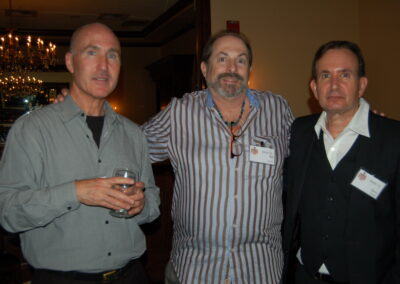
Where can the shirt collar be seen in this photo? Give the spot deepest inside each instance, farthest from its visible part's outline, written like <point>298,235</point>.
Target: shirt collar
<point>69,109</point>
<point>358,124</point>
<point>252,99</point>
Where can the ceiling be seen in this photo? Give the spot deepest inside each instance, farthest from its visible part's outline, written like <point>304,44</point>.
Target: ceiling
<point>136,22</point>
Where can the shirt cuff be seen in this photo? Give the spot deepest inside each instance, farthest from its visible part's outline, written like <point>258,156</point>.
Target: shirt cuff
<point>65,197</point>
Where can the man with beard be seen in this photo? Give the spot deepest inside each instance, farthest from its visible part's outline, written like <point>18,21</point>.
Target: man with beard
<point>227,145</point>
<point>343,197</point>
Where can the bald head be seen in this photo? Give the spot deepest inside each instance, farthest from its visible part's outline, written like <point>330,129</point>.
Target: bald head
<point>83,31</point>
<point>94,60</point>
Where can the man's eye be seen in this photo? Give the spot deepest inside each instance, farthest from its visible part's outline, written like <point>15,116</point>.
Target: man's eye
<point>91,52</point>
<point>221,59</point>
<point>325,75</point>
<point>242,61</point>
<point>113,56</point>
<point>345,75</point>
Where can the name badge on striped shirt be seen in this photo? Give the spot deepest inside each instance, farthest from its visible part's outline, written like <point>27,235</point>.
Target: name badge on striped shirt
<point>263,155</point>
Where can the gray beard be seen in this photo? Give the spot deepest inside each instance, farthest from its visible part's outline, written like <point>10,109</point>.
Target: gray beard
<point>231,92</point>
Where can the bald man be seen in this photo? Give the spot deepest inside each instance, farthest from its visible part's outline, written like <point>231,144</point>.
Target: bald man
<point>56,184</point>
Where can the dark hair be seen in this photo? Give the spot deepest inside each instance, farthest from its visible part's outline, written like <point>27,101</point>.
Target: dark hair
<point>337,44</point>
<point>208,48</point>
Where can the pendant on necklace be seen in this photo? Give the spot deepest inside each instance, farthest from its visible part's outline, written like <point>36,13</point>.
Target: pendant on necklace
<point>235,122</point>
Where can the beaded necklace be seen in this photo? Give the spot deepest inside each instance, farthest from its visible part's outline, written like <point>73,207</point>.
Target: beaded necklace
<point>232,123</point>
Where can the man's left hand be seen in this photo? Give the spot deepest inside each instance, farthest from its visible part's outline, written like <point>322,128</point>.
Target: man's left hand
<point>139,198</point>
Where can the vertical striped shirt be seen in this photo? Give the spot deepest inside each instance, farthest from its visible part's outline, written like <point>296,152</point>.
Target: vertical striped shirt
<point>227,212</point>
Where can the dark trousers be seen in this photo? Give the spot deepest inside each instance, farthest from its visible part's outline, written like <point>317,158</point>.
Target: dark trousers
<point>303,277</point>
<point>135,274</point>
<point>170,275</point>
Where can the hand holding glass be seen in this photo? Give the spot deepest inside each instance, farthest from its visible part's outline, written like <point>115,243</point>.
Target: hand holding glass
<point>127,173</point>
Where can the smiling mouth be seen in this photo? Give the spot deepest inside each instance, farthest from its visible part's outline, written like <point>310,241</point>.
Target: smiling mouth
<point>230,77</point>
<point>101,79</point>
<point>230,80</point>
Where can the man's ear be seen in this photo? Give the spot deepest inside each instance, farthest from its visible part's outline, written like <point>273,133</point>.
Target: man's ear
<point>203,67</point>
<point>68,62</point>
<point>313,87</point>
<point>363,86</point>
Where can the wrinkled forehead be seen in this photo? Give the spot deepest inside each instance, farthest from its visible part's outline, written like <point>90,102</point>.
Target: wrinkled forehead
<point>229,43</point>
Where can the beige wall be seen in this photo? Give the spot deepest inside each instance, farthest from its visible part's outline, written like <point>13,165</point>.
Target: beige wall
<point>285,34</point>
<point>380,41</point>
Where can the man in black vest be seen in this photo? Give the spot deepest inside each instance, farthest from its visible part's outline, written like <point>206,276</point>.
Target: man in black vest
<point>343,181</point>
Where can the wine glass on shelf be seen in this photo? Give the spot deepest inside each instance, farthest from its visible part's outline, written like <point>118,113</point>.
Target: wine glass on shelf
<point>127,173</point>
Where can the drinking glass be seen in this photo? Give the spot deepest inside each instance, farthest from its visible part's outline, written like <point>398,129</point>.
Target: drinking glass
<point>127,173</point>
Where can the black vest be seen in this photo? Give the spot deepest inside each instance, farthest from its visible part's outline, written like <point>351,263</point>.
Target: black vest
<point>323,211</point>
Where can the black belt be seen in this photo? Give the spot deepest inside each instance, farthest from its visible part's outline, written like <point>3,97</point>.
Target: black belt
<point>100,277</point>
<point>327,278</point>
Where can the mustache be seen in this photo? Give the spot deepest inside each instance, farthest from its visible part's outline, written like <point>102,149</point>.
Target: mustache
<point>231,75</point>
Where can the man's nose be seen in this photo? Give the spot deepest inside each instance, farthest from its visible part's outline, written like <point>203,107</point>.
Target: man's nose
<point>232,67</point>
<point>334,81</point>
<point>103,62</point>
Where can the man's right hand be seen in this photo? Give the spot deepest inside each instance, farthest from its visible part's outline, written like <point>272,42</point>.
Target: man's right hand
<point>100,192</point>
<point>60,97</point>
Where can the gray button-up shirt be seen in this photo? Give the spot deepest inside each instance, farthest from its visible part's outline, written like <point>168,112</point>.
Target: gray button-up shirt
<point>46,151</point>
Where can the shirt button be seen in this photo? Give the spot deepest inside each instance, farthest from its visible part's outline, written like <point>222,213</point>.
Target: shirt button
<point>330,198</point>
<point>87,136</point>
<point>99,160</point>
<point>82,114</point>
<point>109,253</point>
<point>69,207</point>
<point>107,222</point>
<point>235,196</point>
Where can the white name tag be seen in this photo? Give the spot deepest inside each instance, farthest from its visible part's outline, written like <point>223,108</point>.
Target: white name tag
<point>368,184</point>
<point>262,155</point>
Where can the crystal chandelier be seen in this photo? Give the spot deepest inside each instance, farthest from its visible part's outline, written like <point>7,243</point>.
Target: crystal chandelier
<point>20,85</point>
<point>20,91</point>
<point>20,55</point>
<point>25,56</point>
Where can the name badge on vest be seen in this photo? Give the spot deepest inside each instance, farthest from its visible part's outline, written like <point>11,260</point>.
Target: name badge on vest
<point>368,184</point>
<point>261,154</point>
